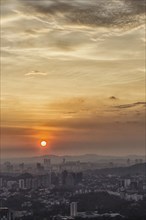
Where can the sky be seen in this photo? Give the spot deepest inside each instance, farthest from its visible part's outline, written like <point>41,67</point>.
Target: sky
<point>72,74</point>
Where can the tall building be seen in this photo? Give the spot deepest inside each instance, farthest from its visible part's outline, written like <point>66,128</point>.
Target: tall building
<point>28,183</point>
<point>64,177</point>
<point>1,182</point>
<point>64,161</point>
<point>8,167</point>
<point>21,167</point>
<point>21,184</point>
<point>47,162</point>
<point>73,209</point>
<point>39,167</point>
<point>34,183</point>
<point>70,180</point>
<point>127,183</point>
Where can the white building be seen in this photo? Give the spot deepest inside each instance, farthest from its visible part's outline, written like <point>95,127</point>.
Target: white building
<point>21,184</point>
<point>73,209</point>
<point>127,183</point>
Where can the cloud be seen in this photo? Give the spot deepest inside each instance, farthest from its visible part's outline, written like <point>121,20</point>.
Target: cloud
<point>73,29</point>
<point>99,13</point>
<point>113,98</point>
<point>131,105</point>
<point>36,73</point>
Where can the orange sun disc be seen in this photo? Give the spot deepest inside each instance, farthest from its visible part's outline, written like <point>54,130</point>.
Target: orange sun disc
<point>43,143</point>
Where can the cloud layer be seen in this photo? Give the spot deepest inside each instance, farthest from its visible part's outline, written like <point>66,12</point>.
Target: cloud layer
<point>92,13</point>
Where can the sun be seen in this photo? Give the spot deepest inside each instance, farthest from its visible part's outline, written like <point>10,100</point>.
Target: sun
<point>43,143</point>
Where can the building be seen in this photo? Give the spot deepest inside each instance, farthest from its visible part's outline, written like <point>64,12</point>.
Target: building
<point>47,162</point>
<point>12,184</point>
<point>70,180</point>
<point>73,209</point>
<point>44,180</point>
<point>5,214</point>
<point>8,167</point>
<point>21,167</point>
<point>40,168</point>
<point>28,183</point>
<point>1,182</point>
<point>64,161</point>
<point>21,184</point>
<point>34,183</point>
<point>127,183</point>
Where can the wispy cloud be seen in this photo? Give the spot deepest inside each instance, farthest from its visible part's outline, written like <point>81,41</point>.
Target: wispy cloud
<point>73,29</point>
<point>36,73</point>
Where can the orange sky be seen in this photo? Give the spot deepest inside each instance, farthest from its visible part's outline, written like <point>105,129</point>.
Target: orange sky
<point>73,74</point>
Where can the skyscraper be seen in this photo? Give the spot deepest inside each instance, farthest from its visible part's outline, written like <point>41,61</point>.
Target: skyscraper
<point>47,162</point>
<point>21,184</point>
<point>73,209</point>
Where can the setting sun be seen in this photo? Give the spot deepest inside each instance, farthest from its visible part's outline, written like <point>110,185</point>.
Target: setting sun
<point>43,143</point>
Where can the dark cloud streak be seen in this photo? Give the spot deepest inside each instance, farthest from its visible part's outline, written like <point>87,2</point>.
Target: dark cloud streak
<point>131,105</point>
<point>94,13</point>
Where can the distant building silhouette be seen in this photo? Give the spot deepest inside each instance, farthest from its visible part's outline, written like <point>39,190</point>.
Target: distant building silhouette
<point>40,168</point>
<point>47,162</point>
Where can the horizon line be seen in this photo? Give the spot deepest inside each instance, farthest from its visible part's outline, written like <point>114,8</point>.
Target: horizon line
<point>74,155</point>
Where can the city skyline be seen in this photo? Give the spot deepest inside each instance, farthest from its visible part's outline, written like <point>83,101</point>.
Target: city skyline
<point>73,75</point>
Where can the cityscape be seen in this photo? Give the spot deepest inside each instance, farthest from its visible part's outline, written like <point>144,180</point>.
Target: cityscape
<point>73,110</point>
<point>73,190</point>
